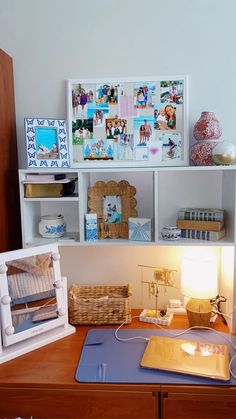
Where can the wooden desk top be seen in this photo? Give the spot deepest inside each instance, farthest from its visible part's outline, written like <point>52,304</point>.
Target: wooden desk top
<point>54,365</point>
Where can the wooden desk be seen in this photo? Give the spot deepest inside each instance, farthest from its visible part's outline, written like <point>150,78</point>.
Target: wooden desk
<point>41,385</point>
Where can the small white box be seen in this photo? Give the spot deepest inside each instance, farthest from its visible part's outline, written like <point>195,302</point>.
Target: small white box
<point>163,320</point>
<point>140,229</point>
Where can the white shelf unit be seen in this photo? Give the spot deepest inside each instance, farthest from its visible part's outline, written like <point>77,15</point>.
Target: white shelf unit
<point>160,193</point>
<point>33,208</point>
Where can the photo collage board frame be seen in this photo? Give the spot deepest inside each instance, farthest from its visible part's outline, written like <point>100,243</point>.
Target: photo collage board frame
<point>128,122</point>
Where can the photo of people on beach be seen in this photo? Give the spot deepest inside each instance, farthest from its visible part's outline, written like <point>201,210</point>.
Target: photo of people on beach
<point>172,91</point>
<point>143,94</point>
<point>82,129</point>
<point>165,116</point>
<point>98,112</point>
<point>46,143</point>
<point>171,146</point>
<point>143,130</point>
<point>108,93</point>
<point>82,95</point>
<point>115,127</point>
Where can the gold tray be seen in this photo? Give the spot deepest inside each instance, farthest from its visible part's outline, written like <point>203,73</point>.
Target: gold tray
<point>40,190</point>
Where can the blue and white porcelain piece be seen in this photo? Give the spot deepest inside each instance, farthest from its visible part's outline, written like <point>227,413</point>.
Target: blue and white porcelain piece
<point>52,226</point>
<point>170,233</point>
<point>91,227</point>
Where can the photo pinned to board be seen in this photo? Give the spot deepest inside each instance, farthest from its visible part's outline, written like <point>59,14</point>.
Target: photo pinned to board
<point>98,149</point>
<point>82,95</point>
<point>115,127</point>
<point>82,129</point>
<point>108,93</point>
<point>171,146</point>
<point>172,91</point>
<point>165,116</point>
<point>132,112</point>
<point>125,147</point>
<point>143,130</point>
<point>144,94</point>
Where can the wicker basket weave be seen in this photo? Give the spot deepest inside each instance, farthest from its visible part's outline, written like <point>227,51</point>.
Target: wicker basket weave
<point>99,304</point>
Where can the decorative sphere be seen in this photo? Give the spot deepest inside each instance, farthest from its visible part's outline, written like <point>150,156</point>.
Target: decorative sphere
<point>224,153</point>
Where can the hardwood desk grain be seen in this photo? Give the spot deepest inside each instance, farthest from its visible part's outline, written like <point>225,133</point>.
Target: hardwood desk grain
<point>42,385</point>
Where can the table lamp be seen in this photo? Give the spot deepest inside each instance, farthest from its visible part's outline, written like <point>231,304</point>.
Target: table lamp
<point>199,283</point>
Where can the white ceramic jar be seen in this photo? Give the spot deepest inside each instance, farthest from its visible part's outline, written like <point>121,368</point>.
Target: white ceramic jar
<point>171,233</point>
<point>52,226</point>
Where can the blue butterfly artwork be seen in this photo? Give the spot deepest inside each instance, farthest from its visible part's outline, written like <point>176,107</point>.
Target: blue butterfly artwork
<point>40,121</point>
<point>32,163</point>
<point>65,164</point>
<point>63,156</point>
<point>32,154</point>
<point>30,121</point>
<point>31,146</point>
<point>30,138</point>
<point>61,123</point>
<point>62,131</point>
<point>51,123</point>
<point>30,129</point>
<point>54,163</point>
<point>63,147</point>
<point>63,139</point>
<point>44,163</point>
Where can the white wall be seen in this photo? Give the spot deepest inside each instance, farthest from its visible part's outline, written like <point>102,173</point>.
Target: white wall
<point>54,40</point>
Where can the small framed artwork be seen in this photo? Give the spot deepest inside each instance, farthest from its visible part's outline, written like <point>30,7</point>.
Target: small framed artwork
<point>128,122</point>
<point>46,143</point>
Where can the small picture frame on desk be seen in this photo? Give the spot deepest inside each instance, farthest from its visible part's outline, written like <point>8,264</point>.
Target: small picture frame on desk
<point>46,143</point>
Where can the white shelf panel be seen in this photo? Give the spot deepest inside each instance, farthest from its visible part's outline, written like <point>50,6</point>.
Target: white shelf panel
<point>54,199</point>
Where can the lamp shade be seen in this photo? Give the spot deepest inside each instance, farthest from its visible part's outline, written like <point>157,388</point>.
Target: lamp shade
<point>199,276</point>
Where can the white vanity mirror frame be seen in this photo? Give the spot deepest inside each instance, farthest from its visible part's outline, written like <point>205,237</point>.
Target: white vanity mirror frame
<point>15,344</point>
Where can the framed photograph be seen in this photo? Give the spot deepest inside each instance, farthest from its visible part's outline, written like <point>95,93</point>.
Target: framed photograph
<point>46,143</point>
<point>113,203</point>
<point>146,119</point>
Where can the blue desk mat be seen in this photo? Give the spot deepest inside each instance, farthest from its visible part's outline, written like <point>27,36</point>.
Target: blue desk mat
<point>104,359</point>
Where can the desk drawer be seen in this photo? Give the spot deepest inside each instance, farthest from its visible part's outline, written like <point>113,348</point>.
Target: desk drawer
<point>77,404</point>
<point>197,405</point>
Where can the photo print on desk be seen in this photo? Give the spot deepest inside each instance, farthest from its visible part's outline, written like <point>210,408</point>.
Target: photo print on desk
<point>132,112</point>
<point>46,143</point>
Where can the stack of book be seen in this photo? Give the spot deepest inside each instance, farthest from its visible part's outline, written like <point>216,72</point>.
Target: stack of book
<point>201,223</point>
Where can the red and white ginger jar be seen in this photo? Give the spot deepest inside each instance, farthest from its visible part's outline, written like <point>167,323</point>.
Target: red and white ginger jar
<point>201,152</point>
<point>207,127</point>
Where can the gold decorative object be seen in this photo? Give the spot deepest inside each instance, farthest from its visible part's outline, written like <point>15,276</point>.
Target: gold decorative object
<point>126,194</point>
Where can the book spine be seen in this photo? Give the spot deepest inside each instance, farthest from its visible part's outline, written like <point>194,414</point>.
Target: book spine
<point>199,215</point>
<point>199,225</point>
<point>202,235</point>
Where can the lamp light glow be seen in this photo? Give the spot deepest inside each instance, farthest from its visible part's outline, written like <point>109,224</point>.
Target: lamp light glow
<point>199,282</point>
